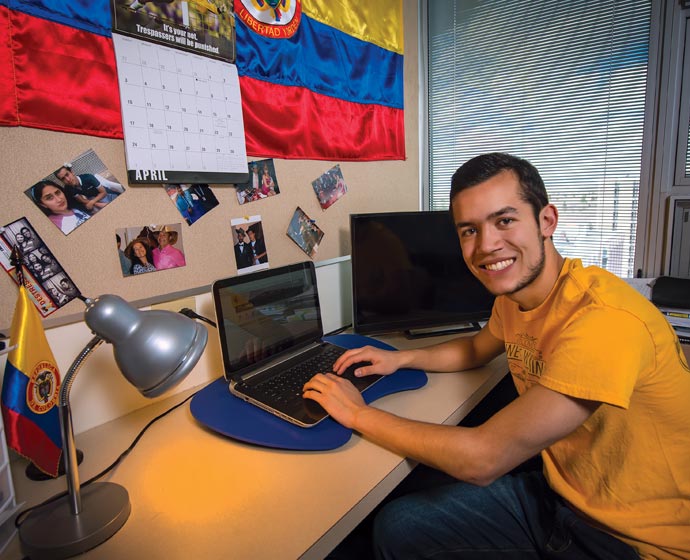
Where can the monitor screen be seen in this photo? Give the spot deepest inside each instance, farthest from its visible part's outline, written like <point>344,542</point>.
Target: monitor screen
<point>408,274</point>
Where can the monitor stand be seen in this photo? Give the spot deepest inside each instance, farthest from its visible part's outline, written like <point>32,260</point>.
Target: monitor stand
<point>439,331</point>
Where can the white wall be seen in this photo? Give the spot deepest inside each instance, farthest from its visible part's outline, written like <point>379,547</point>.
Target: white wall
<point>101,394</point>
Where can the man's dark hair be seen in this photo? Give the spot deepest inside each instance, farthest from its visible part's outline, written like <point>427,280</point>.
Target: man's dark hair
<point>484,167</point>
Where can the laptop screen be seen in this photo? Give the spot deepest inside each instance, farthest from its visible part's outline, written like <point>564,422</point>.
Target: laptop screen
<point>264,314</point>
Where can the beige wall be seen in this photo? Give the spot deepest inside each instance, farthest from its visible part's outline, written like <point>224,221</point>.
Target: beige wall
<point>88,254</point>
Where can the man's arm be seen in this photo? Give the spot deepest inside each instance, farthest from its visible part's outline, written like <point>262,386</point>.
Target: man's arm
<point>480,455</point>
<point>461,353</point>
<point>112,185</point>
<point>90,203</point>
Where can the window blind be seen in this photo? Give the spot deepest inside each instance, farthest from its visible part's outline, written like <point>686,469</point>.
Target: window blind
<point>561,84</point>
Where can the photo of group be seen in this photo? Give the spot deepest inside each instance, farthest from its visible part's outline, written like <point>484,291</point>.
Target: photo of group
<point>249,244</point>
<point>149,248</point>
<point>330,187</point>
<point>262,182</point>
<point>192,201</point>
<point>75,191</point>
<point>43,274</point>
<point>305,232</point>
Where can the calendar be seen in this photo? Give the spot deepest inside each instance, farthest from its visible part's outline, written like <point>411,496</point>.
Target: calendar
<point>181,114</point>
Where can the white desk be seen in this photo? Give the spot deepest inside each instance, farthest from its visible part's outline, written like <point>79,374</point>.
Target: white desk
<point>196,494</point>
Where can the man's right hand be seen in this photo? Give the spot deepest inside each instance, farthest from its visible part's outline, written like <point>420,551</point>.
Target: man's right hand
<point>383,362</point>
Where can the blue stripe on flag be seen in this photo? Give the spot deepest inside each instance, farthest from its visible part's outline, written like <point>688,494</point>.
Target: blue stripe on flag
<point>324,60</point>
<point>88,15</point>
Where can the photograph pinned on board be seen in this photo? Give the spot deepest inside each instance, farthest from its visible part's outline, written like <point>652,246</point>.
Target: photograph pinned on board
<point>49,286</point>
<point>330,187</point>
<point>192,200</point>
<point>75,191</point>
<point>149,248</point>
<point>249,244</point>
<point>304,231</point>
<point>262,182</point>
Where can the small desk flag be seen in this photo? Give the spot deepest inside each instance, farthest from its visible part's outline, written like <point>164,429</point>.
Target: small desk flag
<point>30,390</point>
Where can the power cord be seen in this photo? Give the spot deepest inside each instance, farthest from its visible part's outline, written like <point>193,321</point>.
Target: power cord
<point>194,315</point>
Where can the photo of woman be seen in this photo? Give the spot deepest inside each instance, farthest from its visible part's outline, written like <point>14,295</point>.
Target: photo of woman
<point>65,213</point>
<point>140,253</point>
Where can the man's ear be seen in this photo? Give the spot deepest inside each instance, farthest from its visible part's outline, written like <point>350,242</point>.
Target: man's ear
<point>548,220</point>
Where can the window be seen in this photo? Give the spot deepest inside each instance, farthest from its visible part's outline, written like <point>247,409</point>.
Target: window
<point>561,84</point>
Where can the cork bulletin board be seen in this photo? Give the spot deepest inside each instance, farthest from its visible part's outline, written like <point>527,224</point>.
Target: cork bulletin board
<point>89,255</point>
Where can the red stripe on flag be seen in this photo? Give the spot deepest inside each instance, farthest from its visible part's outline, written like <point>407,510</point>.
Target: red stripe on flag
<point>8,98</point>
<point>65,78</point>
<point>308,125</point>
<point>31,442</point>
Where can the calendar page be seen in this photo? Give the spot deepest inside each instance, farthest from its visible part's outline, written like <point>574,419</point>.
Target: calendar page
<point>181,114</point>
<point>205,27</point>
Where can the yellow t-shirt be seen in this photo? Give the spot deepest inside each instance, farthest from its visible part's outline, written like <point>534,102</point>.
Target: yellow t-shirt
<point>627,468</point>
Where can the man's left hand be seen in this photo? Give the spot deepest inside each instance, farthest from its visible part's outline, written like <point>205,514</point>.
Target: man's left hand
<point>337,395</point>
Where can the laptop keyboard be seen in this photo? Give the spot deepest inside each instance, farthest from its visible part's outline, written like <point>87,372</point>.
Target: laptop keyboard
<point>287,386</point>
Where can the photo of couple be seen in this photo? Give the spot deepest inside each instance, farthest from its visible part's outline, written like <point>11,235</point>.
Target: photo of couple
<point>249,245</point>
<point>75,191</point>
<point>262,182</point>
<point>149,249</point>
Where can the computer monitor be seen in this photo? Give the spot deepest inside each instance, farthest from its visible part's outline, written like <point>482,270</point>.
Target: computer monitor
<point>408,275</point>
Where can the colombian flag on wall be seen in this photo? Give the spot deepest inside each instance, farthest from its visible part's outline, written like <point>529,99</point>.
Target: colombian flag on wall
<point>30,391</point>
<point>319,79</point>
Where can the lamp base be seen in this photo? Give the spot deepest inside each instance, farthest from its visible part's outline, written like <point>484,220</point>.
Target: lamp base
<point>52,531</point>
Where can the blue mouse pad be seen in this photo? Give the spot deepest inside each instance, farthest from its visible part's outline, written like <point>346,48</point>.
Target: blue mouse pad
<point>221,411</point>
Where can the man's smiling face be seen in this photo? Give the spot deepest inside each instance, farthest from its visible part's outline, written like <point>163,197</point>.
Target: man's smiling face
<point>501,241</point>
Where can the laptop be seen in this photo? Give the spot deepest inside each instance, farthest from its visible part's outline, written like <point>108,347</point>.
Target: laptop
<point>269,324</point>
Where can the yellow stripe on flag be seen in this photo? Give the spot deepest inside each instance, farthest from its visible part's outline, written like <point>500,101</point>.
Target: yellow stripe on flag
<point>376,21</point>
<point>28,336</point>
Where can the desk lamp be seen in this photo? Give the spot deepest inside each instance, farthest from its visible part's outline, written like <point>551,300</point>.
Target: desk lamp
<point>154,350</point>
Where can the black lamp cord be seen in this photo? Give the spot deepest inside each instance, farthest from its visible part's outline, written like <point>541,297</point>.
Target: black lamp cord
<point>22,514</point>
<point>193,315</point>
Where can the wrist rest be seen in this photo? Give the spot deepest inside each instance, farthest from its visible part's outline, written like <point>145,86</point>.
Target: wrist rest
<point>221,411</point>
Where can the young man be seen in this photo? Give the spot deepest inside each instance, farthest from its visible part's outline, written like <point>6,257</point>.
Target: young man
<point>92,191</point>
<point>604,393</point>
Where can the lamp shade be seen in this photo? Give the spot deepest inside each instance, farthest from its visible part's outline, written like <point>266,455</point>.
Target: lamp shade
<point>154,350</point>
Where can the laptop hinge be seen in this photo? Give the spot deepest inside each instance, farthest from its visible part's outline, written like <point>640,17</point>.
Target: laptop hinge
<point>280,360</point>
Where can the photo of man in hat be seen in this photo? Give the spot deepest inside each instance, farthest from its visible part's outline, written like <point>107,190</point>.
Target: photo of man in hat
<point>165,255</point>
